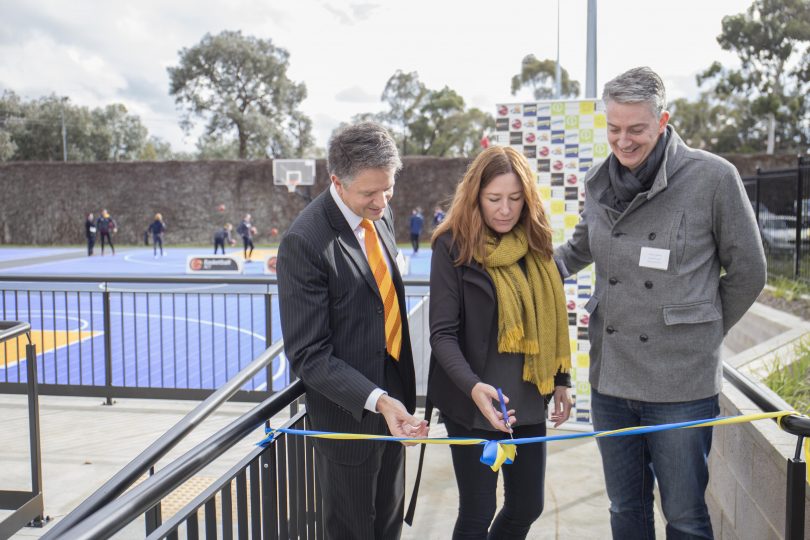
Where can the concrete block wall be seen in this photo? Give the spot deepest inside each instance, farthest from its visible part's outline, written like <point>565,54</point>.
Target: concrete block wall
<point>748,464</point>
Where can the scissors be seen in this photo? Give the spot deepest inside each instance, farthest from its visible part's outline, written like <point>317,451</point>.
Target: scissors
<point>505,413</point>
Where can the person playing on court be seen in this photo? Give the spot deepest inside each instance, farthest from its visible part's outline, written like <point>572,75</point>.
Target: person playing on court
<point>90,233</point>
<point>246,230</point>
<point>106,227</point>
<point>221,236</point>
<point>157,228</point>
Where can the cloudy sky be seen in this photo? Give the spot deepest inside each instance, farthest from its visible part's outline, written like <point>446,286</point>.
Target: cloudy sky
<point>98,52</point>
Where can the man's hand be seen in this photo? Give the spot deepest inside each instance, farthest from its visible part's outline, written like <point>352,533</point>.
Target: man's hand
<point>400,423</point>
<point>483,395</point>
<point>562,405</point>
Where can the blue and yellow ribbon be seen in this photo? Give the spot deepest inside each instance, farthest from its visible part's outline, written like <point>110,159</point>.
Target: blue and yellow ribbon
<point>499,452</point>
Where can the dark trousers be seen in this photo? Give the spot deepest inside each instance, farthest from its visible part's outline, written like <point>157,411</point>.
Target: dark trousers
<point>248,244</point>
<point>415,242</point>
<point>477,485</point>
<point>108,236</point>
<point>157,239</point>
<point>219,243</point>
<point>91,241</point>
<point>366,501</point>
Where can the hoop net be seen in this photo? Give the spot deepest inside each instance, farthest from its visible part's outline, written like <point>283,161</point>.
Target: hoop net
<point>292,180</point>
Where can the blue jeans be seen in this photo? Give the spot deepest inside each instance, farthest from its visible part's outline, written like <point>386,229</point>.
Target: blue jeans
<point>678,459</point>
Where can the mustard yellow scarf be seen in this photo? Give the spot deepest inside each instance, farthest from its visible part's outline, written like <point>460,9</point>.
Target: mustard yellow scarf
<point>531,308</point>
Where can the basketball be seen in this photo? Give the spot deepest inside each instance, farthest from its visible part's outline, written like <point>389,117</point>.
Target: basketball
<point>221,207</point>
<point>274,232</point>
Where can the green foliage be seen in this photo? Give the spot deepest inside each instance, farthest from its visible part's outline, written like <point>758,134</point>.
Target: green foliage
<point>429,122</point>
<point>792,382</point>
<point>239,85</point>
<point>788,289</point>
<point>772,41</point>
<point>716,126</point>
<point>541,76</point>
<point>32,131</point>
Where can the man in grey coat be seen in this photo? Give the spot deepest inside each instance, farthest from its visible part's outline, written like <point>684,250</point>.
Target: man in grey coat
<point>662,222</point>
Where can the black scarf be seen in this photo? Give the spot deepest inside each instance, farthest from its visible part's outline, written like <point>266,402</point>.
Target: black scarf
<point>625,185</point>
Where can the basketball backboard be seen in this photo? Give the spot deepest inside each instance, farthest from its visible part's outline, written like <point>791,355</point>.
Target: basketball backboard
<point>293,173</point>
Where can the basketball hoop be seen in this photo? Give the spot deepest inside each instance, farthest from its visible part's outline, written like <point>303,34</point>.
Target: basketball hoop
<point>292,185</point>
<point>293,173</point>
<point>292,180</point>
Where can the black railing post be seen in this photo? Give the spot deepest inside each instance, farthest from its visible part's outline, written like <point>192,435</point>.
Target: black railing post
<point>33,426</point>
<point>757,195</point>
<point>268,335</point>
<point>107,344</point>
<point>795,494</point>
<point>798,212</point>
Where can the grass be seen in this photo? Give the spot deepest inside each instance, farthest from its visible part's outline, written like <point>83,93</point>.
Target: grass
<point>792,382</point>
<point>787,289</point>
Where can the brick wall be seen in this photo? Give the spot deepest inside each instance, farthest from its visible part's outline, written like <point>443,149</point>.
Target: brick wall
<point>45,203</point>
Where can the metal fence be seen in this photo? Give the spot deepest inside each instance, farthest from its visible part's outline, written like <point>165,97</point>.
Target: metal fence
<point>157,337</point>
<point>781,201</point>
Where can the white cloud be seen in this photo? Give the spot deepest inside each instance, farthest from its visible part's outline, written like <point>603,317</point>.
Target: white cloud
<point>344,50</point>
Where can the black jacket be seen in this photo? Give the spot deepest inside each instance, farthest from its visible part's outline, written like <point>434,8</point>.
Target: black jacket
<point>463,310</point>
<point>333,322</point>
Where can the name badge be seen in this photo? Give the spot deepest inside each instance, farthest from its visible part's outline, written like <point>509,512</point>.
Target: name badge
<point>654,258</point>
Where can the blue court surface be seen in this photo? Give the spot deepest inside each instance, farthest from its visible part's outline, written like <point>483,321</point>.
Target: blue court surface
<point>162,335</point>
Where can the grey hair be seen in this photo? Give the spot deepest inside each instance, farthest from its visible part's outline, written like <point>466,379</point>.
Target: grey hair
<point>638,85</point>
<point>366,145</point>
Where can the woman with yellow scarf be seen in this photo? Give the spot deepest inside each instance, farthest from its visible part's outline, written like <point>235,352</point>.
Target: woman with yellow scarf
<point>497,321</point>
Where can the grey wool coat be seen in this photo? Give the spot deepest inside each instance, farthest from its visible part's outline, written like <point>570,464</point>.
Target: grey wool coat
<point>656,333</point>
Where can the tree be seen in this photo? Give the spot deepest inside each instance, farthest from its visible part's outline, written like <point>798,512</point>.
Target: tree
<point>34,130</point>
<point>240,84</point>
<point>716,126</point>
<point>540,75</point>
<point>403,93</point>
<point>772,40</point>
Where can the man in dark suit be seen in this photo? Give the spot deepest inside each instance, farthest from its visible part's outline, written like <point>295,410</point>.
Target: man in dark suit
<point>345,330</point>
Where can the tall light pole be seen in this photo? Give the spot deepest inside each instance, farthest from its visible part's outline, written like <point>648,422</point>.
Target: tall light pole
<point>590,55</point>
<point>64,132</point>
<point>557,70</point>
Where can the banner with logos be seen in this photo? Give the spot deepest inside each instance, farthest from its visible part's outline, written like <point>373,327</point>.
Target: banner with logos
<point>562,140</point>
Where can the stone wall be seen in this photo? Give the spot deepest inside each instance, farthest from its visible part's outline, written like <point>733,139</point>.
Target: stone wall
<point>45,203</point>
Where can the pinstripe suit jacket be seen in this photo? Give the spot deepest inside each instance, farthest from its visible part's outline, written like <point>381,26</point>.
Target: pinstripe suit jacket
<point>333,324</point>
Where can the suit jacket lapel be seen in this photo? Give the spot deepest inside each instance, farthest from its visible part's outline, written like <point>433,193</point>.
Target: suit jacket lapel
<point>348,241</point>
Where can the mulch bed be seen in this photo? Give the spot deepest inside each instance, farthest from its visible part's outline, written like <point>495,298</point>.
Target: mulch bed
<point>798,306</point>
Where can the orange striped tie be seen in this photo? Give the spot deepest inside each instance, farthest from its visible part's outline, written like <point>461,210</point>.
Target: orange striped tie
<point>393,321</point>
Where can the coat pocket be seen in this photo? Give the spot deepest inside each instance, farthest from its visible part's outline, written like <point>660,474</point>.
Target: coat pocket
<point>694,313</point>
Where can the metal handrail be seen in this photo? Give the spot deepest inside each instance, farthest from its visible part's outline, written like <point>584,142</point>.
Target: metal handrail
<point>127,476</point>
<point>173,522</point>
<point>799,426</point>
<point>141,498</point>
<point>12,329</point>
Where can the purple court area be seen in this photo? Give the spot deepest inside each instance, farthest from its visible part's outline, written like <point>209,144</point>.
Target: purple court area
<point>162,335</point>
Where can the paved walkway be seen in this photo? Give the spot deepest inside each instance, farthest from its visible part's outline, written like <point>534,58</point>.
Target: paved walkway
<point>85,442</point>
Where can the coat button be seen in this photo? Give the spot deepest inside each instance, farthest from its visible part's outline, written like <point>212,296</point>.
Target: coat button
<point>648,284</point>
<point>643,338</point>
<point>651,236</point>
<point>617,234</point>
<point>610,329</point>
<point>379,309</point>
<point>613,281</point>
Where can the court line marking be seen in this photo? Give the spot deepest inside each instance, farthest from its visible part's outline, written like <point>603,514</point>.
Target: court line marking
<point>282,358</point>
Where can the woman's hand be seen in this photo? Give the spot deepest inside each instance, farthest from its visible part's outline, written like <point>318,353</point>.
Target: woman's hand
<point>483,395</point>
<point>562,405</point>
